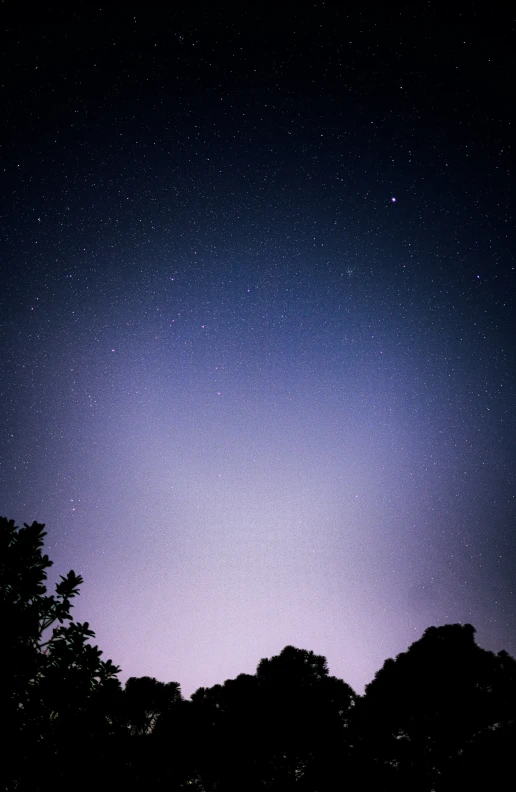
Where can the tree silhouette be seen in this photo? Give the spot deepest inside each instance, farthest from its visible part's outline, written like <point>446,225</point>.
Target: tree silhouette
<point>309,712</point>
<point>279,729</point>
<point>440,716</point>
<point>423,708</point>
<point>146,700</point>
<point>51,678</point>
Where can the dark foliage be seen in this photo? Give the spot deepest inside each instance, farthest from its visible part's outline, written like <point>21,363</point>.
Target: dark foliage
<point>441,716</point>
<point>55,690</point>
<point>424,709</point>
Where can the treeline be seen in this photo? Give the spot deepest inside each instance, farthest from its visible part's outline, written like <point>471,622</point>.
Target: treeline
<point>441,716</point>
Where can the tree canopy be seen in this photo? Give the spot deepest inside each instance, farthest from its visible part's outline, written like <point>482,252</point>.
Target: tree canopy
<point>51,677</point>
<point>440,716</point>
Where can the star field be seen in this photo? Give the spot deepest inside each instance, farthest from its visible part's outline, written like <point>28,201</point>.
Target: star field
<point>257,328</point>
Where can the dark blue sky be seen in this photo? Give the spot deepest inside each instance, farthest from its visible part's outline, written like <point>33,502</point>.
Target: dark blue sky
<point>257,328</point>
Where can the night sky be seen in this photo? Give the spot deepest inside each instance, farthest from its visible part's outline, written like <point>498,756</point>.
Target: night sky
<point>257,326</point>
